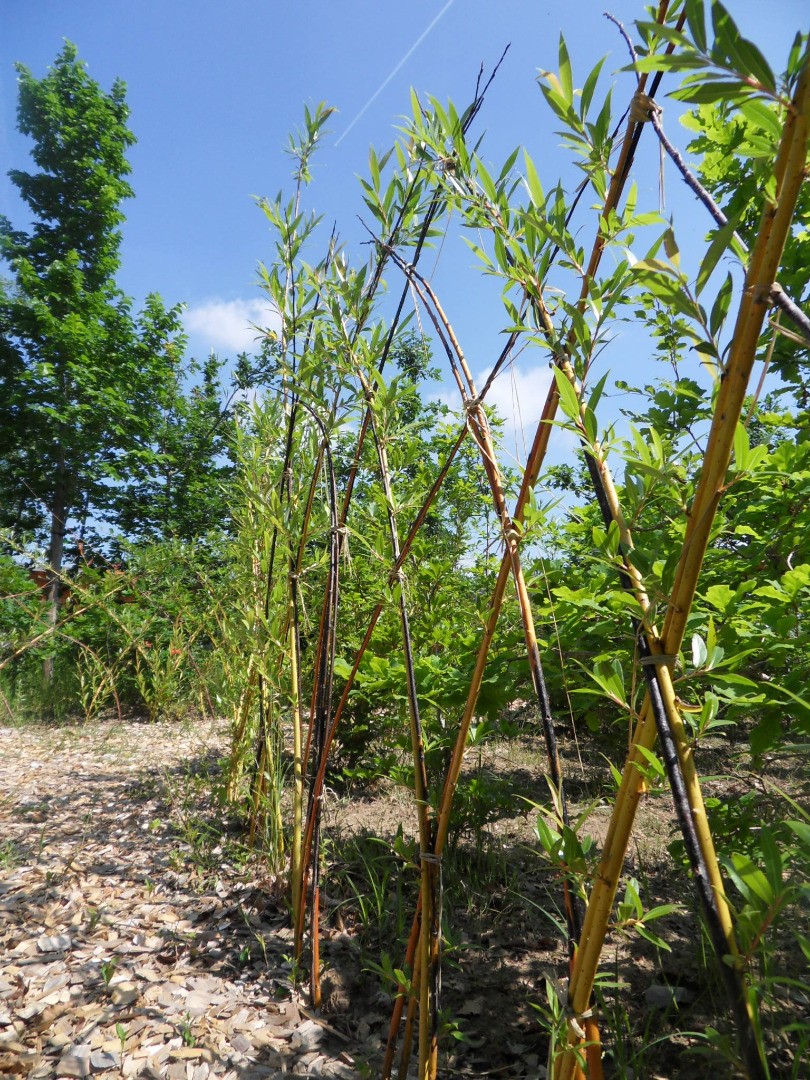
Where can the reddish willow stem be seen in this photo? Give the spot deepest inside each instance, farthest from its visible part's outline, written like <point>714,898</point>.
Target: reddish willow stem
<point>480,429</point>
<point>320,776</point>
<point>531,473</point>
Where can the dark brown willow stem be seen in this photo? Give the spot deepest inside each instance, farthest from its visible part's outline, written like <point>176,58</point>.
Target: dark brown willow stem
<point>320,775</point>
<point>778,296</point>
<point>511,529</point>
<point>324,682</point>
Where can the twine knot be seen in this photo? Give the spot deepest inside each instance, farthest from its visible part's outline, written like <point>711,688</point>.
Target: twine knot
<point>574,1018</point>
<point>642,107</point>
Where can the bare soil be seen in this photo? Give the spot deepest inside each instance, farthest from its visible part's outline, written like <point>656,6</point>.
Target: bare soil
<point>140,938</point>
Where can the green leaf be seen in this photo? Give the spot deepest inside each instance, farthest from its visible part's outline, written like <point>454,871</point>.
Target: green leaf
<point>671,247</point>
<point>699,651</point>
<point>766,735</point>
<point>342,668</point>
<point>661,910</point>
<point>569,402</point>
<point>653,761</point>
<point>802,830</point>
<point>743,54</point>
<point>533,184</point>
<point>720,243</point>
<point>590,425</point>
<point>708,713</point>
<point>696,21</point>
<point>711,91</point>
<point>508,164</point>
<point>596,394</point>
<point>609,676</point>
<point>374,168</point>
<point>749,879</point>
<point>589,88</point>
<point>720,306</point>
<point>653,938</point>
<point>762,115</point>
<point>566,78</point>
<point>772,858</point>
<point>742,446</point>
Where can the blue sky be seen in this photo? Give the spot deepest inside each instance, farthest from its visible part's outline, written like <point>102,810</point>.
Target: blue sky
<point>215,87</point>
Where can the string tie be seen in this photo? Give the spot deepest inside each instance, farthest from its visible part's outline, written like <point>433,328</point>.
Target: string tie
<point>642,107</point>
<point>574,1020</point>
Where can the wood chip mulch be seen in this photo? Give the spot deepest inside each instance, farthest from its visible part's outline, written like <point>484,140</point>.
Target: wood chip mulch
<point>120,954</point>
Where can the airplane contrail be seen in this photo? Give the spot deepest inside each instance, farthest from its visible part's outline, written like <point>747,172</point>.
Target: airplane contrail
<point>386,81</point>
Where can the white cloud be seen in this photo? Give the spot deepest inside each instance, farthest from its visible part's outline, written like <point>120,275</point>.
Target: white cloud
<point>230,325</point>
<point>519,395</point>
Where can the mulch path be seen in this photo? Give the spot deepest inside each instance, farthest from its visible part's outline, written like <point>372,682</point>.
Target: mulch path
<point>124,951</point>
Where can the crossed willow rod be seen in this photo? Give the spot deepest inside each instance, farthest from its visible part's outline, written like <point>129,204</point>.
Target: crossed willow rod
<point>428,985</point>
<point>530,476</point>
<point>418,522</point>
<point>312,825</point>
<point>465,122</point>
<point>472,404</point>
<point>541,437</point>
<point>661,702</point>
<point>775,224</point>
<point>670,747</point>
<point>316,788</point>
<point>435,204</point>
<point>511,532</point>
<point>399,562</point>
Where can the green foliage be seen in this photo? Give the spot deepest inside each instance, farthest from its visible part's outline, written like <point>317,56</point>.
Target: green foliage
<point>142,637</point>
<point>232,613</point>
<point>79,370</point>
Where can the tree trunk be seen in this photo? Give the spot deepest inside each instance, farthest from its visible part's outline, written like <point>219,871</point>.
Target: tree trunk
<point>55,553</point>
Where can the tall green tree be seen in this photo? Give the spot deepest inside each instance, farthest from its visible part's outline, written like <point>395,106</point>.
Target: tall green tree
<point>79,372</point>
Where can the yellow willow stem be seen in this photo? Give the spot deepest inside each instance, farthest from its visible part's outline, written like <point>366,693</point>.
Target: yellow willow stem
<point>298,774</point>
<point>632,787</point>
<point>245,701</point>
<point>776,221</point>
